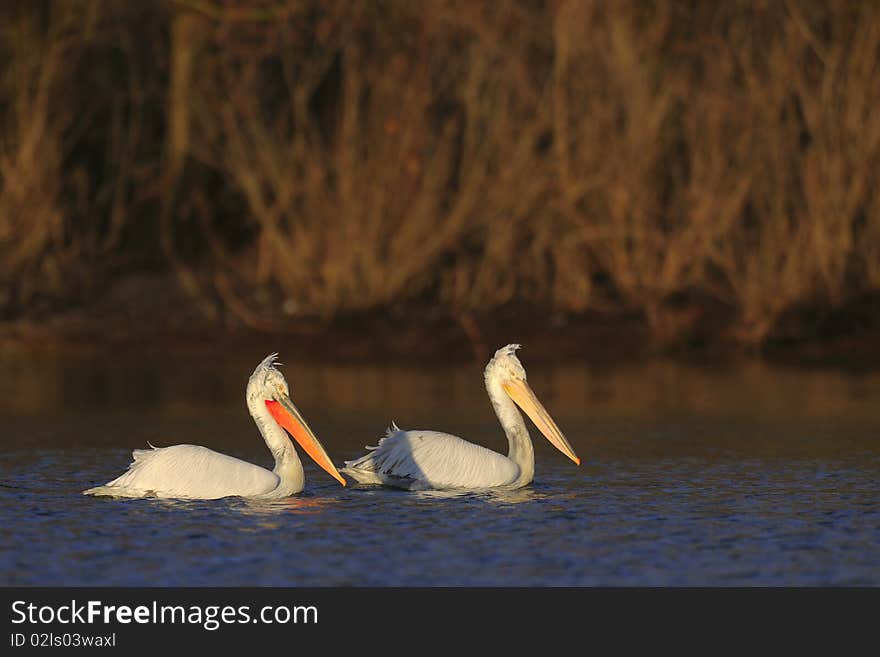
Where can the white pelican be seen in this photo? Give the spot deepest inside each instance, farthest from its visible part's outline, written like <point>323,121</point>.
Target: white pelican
<point>194,472</point>
<point>424,460</point>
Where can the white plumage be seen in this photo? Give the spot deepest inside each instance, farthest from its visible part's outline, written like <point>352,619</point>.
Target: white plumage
<point>195,472</point>
<point>419,460</point>
<point>189,471</point>
<point>423,460</point>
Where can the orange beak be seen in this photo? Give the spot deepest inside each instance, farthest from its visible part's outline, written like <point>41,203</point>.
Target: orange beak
<point>286,414</point>
<point>520,392</point>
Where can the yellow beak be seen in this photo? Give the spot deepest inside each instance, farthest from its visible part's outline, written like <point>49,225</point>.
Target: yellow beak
<point>520,392</point>
<point>287,415</point>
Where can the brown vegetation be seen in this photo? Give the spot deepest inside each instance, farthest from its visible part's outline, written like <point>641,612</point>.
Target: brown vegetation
<point>710,167</point>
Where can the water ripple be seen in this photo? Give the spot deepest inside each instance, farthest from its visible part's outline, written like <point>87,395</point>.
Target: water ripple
<point>684,521</point>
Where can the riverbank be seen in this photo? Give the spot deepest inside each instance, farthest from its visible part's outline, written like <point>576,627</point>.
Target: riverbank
<point>152,313</point>
<point>607,161</point>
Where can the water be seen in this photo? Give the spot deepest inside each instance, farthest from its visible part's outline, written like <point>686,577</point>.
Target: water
<point>742,474</point>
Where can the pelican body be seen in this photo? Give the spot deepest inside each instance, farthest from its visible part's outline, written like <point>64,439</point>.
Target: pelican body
<point>426,460</point>
<point>195,472</point>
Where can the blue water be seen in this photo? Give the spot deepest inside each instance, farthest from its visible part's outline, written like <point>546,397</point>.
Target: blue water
<point>675,489</point>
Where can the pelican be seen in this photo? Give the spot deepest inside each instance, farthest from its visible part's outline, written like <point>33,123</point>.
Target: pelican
<point>431,460</point>
<point>195,472</point>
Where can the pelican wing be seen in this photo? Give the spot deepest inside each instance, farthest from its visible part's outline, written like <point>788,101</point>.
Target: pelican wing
<point>431,460</point>
<point>188,471</point>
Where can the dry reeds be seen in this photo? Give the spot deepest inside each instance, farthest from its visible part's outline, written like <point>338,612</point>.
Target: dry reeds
<point>642,158</point>
<point>32,222</point>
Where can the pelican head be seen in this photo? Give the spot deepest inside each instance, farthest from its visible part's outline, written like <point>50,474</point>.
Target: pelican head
<point>506,370</point>
<point>267,381</point>
<point>267,385</point>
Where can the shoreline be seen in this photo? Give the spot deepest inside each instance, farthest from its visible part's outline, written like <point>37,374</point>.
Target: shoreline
<point>426,338</point>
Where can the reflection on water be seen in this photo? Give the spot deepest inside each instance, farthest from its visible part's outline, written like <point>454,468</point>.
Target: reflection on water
<point>497,497</point>
<point>182,384</point>
<point>275,508</point>
<point>692,475</point>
